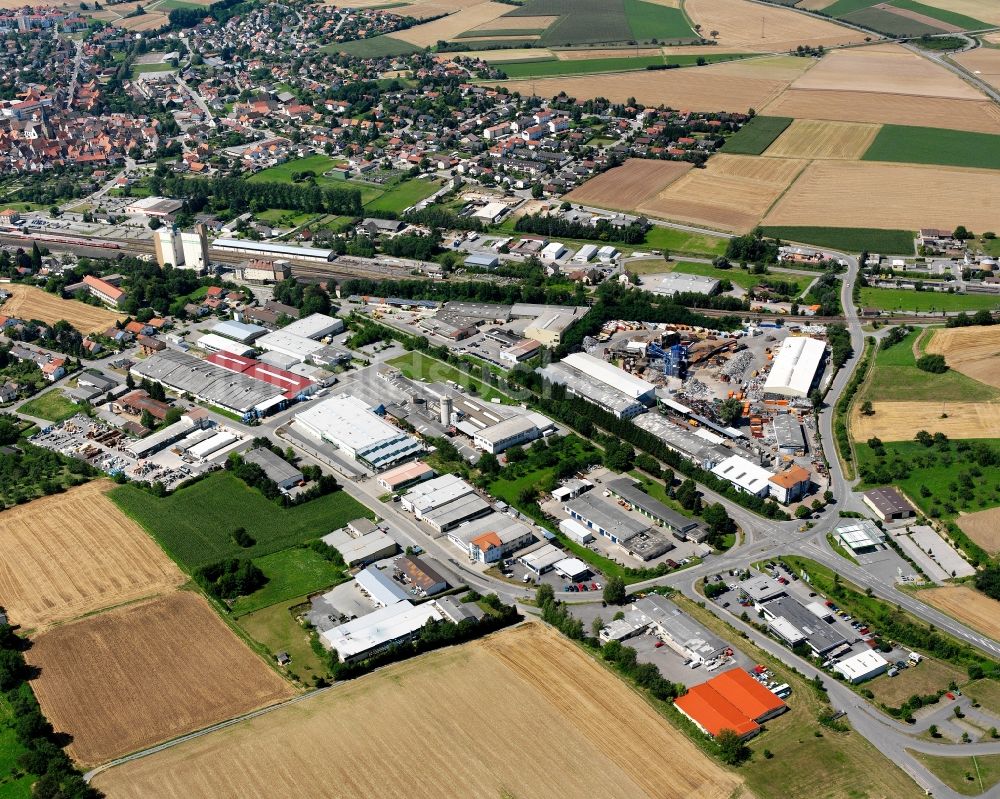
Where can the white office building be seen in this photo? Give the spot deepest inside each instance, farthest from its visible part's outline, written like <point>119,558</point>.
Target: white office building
<point>745,475</point>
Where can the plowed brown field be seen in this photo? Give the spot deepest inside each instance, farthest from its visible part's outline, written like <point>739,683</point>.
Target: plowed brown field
<point>973,351</point>
<point>808,138</point>
<point>731,193</point>
<point>894,196</point>
<point>983,527</point>
<point>29,302</point>
<point>554,728</point>
<point>967,605</point>
<point>890,109</point>
<point>628,186</point>
<point>71,554</point>
<point>138,675</point>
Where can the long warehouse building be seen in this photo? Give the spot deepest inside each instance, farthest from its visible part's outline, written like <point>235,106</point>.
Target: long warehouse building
<point>795,367</point>
<point>613,377</point>
<point>581,385</point>
<point>266,249</point>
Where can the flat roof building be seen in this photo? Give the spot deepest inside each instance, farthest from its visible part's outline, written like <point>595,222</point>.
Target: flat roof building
<point>793,622</point>
<point>315,326</point>
<point>680,283</point>
<point>210,342</point>
<point>277,469</point>
<point>379,586</point>
<point>795,367</point>
<point>888,504</point>
<point>761,588</point>
<point>679,631</point>
<point>360,550</point>
<point>862,667</point>
<point>542,559</point>
<point>613,377</point>
<point>580,385</point>
<point>860,536</point>
<point>694,446</point>
<point>788,434</point>
<point>266,249</point>
<point>576,531</point>
<point>508,433</point>
<point>445,502</point>
<point>405,475</point>
<point>490,537</point>
<point>349,424</point>
<point>745,475</point>
<point>238,331</point>
<point>626,489</point>
<point>374,632</point>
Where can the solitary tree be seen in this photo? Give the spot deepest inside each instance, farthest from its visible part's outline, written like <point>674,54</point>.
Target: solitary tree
<point>731,747</point>
<point>614,591</point>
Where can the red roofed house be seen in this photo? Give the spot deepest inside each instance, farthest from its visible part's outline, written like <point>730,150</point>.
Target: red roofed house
<point>104,291</point>
<point>732,701</point>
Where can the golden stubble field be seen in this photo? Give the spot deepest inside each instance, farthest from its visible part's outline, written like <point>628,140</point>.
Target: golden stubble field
<point>984,62</point>
<point>765,28</point>
<point>450,26</point>
<point>896,421</point>
<point>522,713</point>
<point>730,193</point>
<point>892,196</point>
<point>628,186</point>
<point>30,302</point>
<point>973,351</point>
<point>984,10</point>
<point>983,527</point>
<point>967,605</point>
<point>134,676</point>
<point>811,139</point>
<point>73,553</point>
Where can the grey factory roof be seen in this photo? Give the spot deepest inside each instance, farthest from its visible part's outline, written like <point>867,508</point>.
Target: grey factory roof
<point>700,450</point>
<point>680,283</point>
<point>456,611</point>
<point>205,380</point>
<point>458,510</point>
<point>888,501</point>
<point>597,392</point>
<point>606,516</point>
<point>681,628</point>
<point>627,490</point>
<point>270,248</point>
<point>277,469</point>
<point>788,432</point>
<point>821,635</point>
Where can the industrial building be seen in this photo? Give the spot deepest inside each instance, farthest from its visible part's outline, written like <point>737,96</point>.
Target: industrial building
<point>573,569</point>
<point>456,612</point>
<point>213,343</point>
<point>264,271</point>
<point>790,485</point>
<point>795,623</point>
<point>315,326</point>
<point>445,502</point>
<point>293,386</point>
<point>181,250</point>
<point>680,283</point>
<point>208,382</point>
<point>745,475</point>
<point>661,616</point>
<point>760,589</point>
<point>482,260</point>
<point>860,536</point>
<point>300,340</point>
<point>681,526</point>
<point>613,377</point>
<point>549,322</point>
<point>188,425</point>
<point>423,578</point>
<point>732,701</point>
<point>350,425</point>
<point>541,559</point>
<point>277,469</point>
<point>580,385</point>
<point>491,537</point>
<point>377,631</point>
<point>888,504</point>
<point>266,249</point>
<point>795,368</point>
<point>572,529</point>
<point>862,667</point>
<point>238,331</point>
<point>360,545</point>
<point>512,432</point>
<point>635,537</point>
<point>699,446</point>
<point>788,434</point>
<point>379,587</point>
<point>405,475</point>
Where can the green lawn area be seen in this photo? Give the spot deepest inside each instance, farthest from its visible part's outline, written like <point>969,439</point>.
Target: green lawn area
<point>283,217</point>
<point>53,406</point>
<point>967,774</point>
<point>756,136</point>
<point>583,66</point>
<point>909,144</point>
<point>657,490</point>
<point>170,5</point>
<point>195,524</point>
<point>277,630</point>
<point>290,573</point>
<point>737,276</point>
<point>668,239</point>
<point>139,69</point>
<point>282,173</point>
<point>401,196</point>
<point>887,242</point>
<point>908,300</point>
<point>11,787</point>
<point>928,676</point>
<point>651,21</point>
<point>417,366</point>
<point>373,48</point>
<point>895,376</point>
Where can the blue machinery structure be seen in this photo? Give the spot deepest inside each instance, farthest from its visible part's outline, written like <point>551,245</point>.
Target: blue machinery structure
<point>674,358</point>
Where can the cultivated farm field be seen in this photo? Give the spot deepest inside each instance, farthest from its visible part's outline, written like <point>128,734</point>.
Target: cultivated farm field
<point>131,677</point>
<point>731,193</point>
<point>630,185</point>
<point>884,195</point>
<point>808,138</point>
<point>986,10</point>
<point>897,421</point>
<point>973,351</point>
<point>983,527</point>
<point>70,554</point>
<point>401,719</point>
<point>967,605</point>
<point>448,27</point>
<point>29,302</point>
<point>984,62</point>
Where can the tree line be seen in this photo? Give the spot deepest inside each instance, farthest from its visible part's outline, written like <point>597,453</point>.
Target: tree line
<point>549,226</point>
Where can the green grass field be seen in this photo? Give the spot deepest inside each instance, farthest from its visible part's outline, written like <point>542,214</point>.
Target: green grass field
<point>895,376</point>
<point>195,524</point>
<point>584,66</point>
<point>650,21</point>
<point>907,144</point>
<point>282,217</point>
<point>736,276</point>
<point>282,173</point>
<point>291,573</point>
<point>11,786</point>
<point>887,242</point>
<point>756,136</point>
<point>139,69</point>
<point>53,406</point>
<point>375,47</point>
<point>277,630</point>
<point>672,240</point>
<point>479,33</point>
<point>417,366</point>
<point>402,196</point>
<point>170,5</point>
<point>907,300</point>
<point>951,17</point>
<point>967,774</point>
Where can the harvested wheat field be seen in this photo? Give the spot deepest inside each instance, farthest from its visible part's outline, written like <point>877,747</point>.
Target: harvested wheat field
<point>890,109</point>
<point>700,89</point>
<point>896,421</point>
<point>967,605</point>
<point>984,62</point>
<point>73,553</point>
<point>973,351</point>
<point>810,138</point>
<point>739,24</point>
<point>29,302</point>
<point>893,71</point>
<point>448,27</point>
<point>983,10</point>
<point>894,196</point>
<point>137,675</point>
<point>499,56</point>
<point>983,527</point>
<point>612,52</point>
<point>516,24</point>
<point>731,193</point>
<point>630,185</point>
<point>411,719</point>
<point>777,67</point>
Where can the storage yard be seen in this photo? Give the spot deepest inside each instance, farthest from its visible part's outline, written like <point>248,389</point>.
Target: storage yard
<point>551,690</point>
<point>71,554</point>
<point>144,673</point>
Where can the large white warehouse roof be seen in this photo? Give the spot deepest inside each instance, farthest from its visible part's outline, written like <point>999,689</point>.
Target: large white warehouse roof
<point>610,375</point>
<point>795,367</point>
